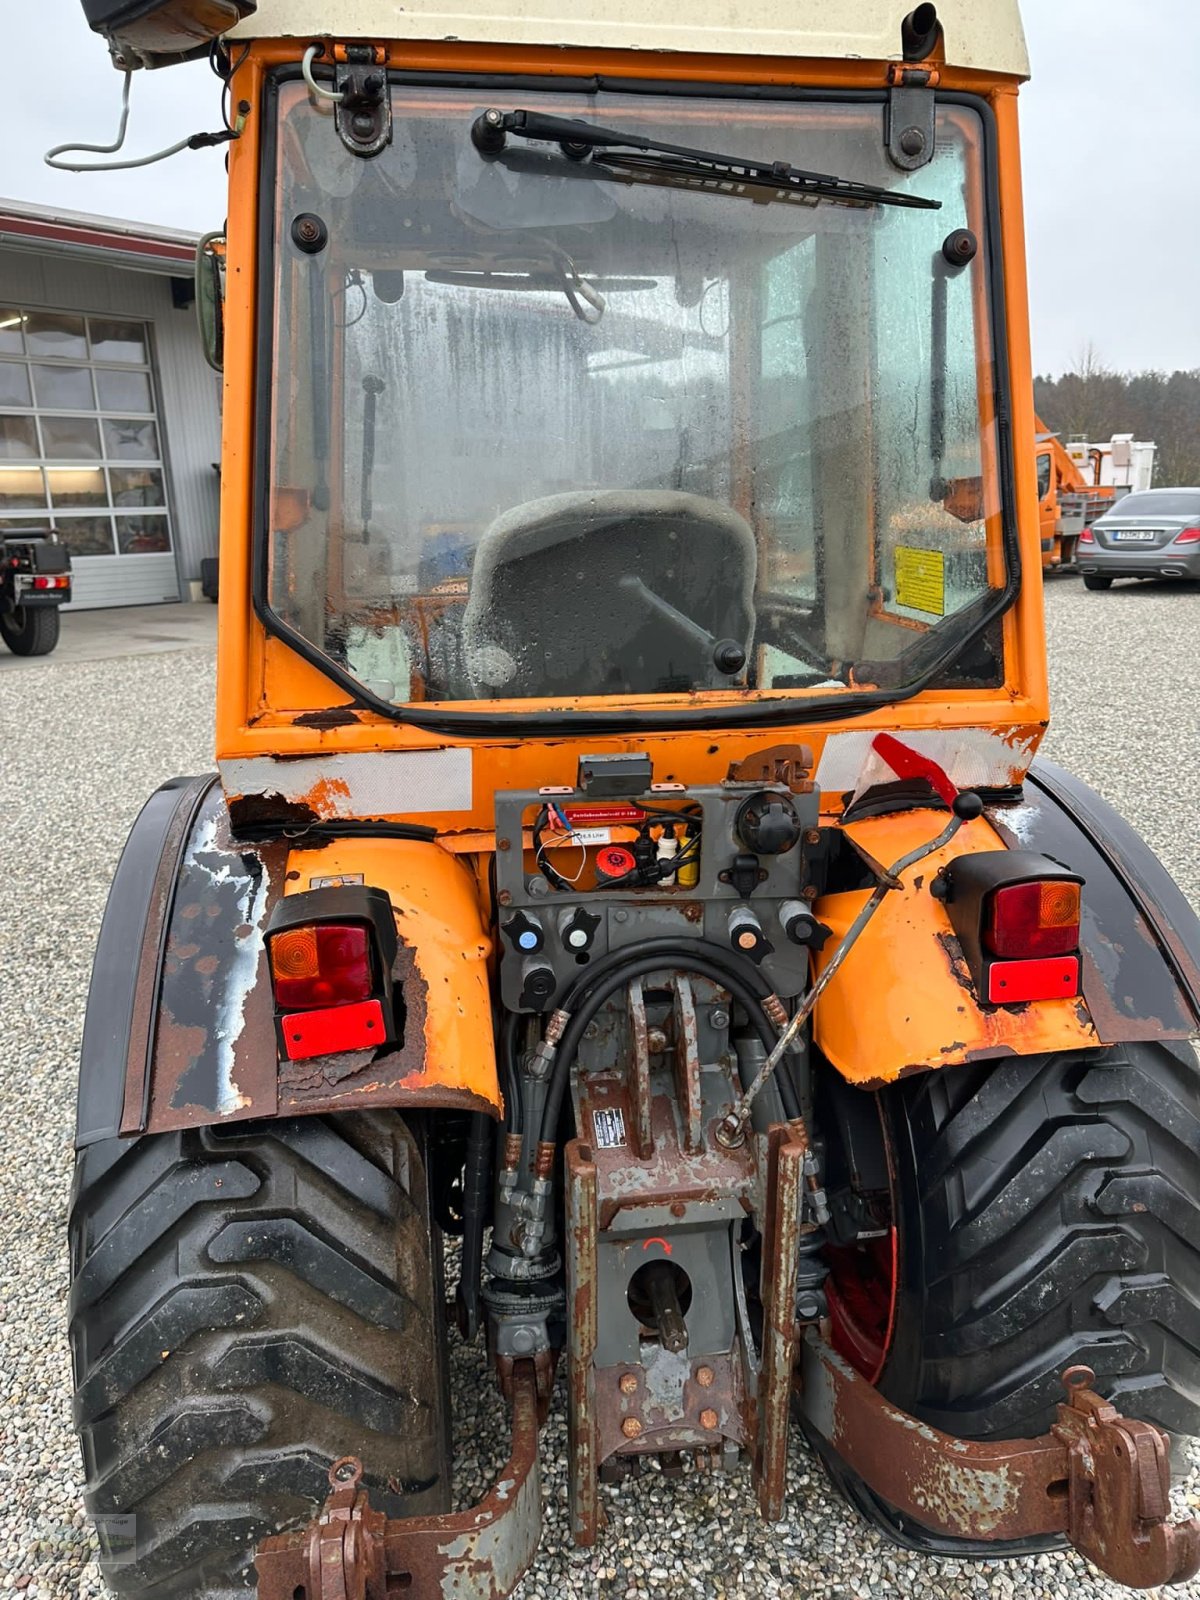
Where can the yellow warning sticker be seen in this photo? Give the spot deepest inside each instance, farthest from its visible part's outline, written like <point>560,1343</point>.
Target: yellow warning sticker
<point>921,580</point>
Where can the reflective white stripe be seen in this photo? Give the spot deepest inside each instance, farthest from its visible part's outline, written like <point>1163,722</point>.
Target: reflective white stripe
<point>971,757</point>
<point>373,784</point>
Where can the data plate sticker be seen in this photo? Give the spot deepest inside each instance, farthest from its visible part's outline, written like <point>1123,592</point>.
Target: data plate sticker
<point>921,580</point>
<point>609,1126</point>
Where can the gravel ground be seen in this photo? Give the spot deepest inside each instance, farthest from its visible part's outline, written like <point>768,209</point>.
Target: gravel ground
<point>85,744</point>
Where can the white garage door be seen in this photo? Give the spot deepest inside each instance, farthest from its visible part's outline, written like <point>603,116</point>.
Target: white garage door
<point>81,451</point>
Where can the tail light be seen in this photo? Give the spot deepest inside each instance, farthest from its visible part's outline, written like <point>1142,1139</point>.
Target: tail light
<point>1087,537</point>
<point>53,582</point>
<point>1187,536</point>
<point>331,953</point>
<point>1033,919</point>
<point>321,964</point>
<point>1017,917</point>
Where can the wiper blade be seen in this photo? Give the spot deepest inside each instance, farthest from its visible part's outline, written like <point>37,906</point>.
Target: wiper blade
<point>610,149</point>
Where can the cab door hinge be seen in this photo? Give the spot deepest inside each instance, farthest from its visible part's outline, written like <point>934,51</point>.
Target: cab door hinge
<point>363,114</point>
<point>911,109</point>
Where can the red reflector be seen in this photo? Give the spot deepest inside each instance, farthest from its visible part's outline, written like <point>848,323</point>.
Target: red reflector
<point>321,964</point>
<point>1053,979</point>
<point>1033,919</point>
<point>323,1033</point>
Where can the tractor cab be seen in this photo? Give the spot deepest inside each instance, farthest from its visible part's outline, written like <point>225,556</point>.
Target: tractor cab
<point>552,419</point>
<point>628,853</point>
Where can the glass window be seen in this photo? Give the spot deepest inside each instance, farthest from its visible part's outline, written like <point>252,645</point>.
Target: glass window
<point>118,341</point>
<point>64,388</point>
<point>77,486</point>
<point>11,323</point>
<point>70,451</point>
<point>130,441</point>
<point>14,384</point>
<point>71,438</point>
<point>652,414</point>
<point>86,536</point>
<point>142,535</point>
<point>123,391</point>
<point>1043,475</point>
<point>21,488</point>
<point>1157,503</point>
<point>137,486</point>
<point>18,438</point>
<point>52,333</point>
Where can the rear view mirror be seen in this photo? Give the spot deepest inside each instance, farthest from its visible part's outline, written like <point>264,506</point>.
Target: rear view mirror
<point>210,298</point>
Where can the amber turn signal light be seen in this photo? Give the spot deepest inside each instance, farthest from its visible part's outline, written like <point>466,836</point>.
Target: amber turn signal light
<point>1027,920</point>
<point>320,964</point>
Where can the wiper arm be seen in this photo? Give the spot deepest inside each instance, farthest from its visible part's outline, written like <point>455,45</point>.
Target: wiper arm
<point>580,141</point>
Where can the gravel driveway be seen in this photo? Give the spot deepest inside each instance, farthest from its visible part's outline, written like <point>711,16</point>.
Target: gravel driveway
<point>85,743</point>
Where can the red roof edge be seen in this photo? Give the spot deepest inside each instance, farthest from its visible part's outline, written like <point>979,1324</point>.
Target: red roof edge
<point>95,238</point>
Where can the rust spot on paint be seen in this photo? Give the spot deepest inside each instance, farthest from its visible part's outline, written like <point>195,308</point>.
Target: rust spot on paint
<point>326,795</point>
<point>333,717</point>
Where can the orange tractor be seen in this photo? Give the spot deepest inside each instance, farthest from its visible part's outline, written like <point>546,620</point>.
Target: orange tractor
<point>628,853</point>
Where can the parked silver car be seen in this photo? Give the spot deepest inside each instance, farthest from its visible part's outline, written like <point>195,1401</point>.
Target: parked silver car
<point>1152,534</point>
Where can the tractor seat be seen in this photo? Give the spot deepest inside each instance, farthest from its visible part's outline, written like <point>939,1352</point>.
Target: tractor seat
<point>621,591</point>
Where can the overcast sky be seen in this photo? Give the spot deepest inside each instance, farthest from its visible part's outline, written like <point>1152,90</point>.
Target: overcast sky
<point>1111,140</point>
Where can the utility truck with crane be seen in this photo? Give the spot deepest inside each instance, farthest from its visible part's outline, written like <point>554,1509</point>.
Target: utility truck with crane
<point>1078,482</point>
<point>628,851</point>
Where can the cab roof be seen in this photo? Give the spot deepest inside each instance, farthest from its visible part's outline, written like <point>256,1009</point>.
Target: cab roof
<point>982,34</point>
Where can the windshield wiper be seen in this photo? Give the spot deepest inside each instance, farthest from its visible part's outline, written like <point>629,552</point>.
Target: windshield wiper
<point>613,150</point>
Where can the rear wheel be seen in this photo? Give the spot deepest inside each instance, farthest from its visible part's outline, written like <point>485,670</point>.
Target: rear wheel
<point>1044,1211</point>
<point>30,630</point>
<point>1095,580</point>
<point>248,1304</point>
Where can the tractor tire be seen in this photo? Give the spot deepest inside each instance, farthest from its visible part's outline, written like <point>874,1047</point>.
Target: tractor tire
<point>30,630</point>
<point>1048,1213</point>
<point>1096,580</point>
<point>248,1303</point>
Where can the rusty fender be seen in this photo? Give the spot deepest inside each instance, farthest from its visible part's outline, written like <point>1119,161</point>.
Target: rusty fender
<point>1140,938</point>
<point>1099,1479</point>
<point>904,1000</point>
<point>180,1027</point>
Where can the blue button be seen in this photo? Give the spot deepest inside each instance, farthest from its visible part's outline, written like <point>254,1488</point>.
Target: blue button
<point>528,940</point>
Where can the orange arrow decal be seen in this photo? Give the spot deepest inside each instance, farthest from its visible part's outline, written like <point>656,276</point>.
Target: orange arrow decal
<point>656,1240</point>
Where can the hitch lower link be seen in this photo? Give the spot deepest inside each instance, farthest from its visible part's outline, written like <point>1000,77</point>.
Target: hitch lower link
<point>350,1551</point>
<point>1098,1478</point>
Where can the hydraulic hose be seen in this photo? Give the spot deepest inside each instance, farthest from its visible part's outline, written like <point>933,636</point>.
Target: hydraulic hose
<point>638,960</point>
<point>510,1073</point>
<point>682,953</point>
<point>477,1184</point>
<point>682,950</point>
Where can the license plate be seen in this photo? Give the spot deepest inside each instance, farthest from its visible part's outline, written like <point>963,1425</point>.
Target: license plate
<point>1135,535</point>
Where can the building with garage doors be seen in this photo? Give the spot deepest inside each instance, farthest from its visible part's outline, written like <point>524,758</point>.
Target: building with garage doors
<point>109,413</point>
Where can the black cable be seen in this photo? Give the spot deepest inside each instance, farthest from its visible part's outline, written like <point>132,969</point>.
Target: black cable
<point>335,828</point>
<point>678,951</point>
<point>636,967</point>
<point>683,949</point>
<point>477,1183</point>
<point>510,1069</point>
